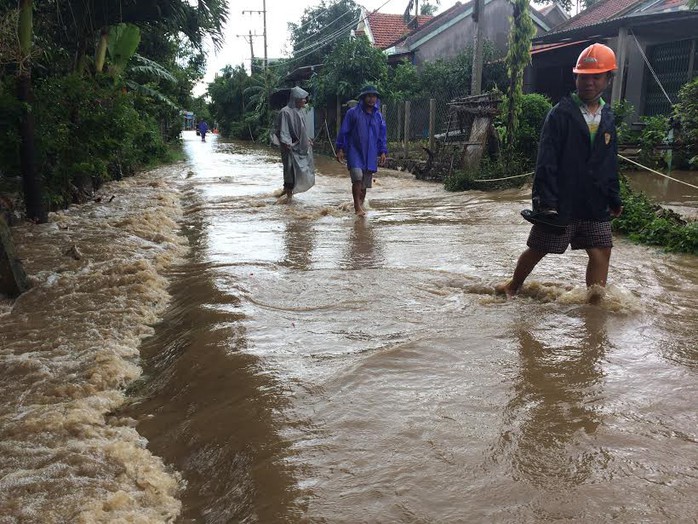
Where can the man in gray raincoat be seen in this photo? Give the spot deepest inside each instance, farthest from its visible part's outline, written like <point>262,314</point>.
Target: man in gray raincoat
<point>296,147</point>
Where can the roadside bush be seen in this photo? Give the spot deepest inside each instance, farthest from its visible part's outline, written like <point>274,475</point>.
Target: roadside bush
<point>648,223</point>
<point>621,110</point>
<point>686,113</point>
<point>653,135</point>
<point>88,133</point>
<point>534,109</point>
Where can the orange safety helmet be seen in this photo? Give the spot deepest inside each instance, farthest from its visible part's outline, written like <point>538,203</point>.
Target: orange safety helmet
<point>595,59</point>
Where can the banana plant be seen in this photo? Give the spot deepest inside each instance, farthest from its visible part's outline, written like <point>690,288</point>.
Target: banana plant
<point>123,40</point>
<point>143,65</point>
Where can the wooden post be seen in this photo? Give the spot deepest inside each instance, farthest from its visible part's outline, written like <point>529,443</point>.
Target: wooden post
<point>384,112</point>
<point>432,123</point>
<point>400,115</point>
<point>407,128</point>
<point>339,116</point>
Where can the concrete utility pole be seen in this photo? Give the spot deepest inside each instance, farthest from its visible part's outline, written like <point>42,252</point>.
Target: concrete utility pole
<point>264,34</point>
<point>248,38</point>
<point>478,18</point>
<point>251,48</point>
<point>264,22</point>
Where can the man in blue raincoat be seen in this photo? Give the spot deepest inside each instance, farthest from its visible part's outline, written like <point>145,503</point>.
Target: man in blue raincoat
<point>362,140</point>
<point>203,129</point>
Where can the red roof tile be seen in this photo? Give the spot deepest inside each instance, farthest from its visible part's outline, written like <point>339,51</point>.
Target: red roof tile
<point>387,28</point>
<point>599,12</point>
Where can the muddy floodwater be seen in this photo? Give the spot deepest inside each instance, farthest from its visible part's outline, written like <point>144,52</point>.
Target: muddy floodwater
<point>194,351</point>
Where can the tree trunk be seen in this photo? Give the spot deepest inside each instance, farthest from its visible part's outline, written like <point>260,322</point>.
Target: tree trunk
<point>13,280</point>
<point>31,182</point>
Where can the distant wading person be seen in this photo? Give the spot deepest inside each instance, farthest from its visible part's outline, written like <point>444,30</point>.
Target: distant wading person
<point>575,187</point>
<point>296,146</point>
<point>203,129</point>
<point>362,140</point>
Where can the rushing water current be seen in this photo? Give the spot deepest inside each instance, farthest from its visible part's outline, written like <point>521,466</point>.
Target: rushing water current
<point>194,351</point>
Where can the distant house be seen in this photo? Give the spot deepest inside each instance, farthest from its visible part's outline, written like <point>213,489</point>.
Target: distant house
<point>553,14</point>
<point>383,29</point>
<point>656,44</point>
<point>451,32</point>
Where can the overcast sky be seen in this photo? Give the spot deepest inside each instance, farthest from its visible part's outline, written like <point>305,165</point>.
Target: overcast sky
<point>236,50</point>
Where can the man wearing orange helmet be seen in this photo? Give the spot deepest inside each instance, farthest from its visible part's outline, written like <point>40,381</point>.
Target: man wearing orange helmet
<point>575,187</point>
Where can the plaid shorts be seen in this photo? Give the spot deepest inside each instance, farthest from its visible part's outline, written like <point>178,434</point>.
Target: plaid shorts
<point>580,234</point>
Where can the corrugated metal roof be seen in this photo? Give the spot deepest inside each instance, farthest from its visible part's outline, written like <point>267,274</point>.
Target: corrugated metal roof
<point>599,12</point>
<point>606,10</point>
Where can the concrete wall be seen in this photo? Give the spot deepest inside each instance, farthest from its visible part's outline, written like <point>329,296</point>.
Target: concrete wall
<point>453,40</point>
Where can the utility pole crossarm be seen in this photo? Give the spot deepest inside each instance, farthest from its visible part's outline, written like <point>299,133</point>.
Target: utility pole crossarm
<point>263,12</point>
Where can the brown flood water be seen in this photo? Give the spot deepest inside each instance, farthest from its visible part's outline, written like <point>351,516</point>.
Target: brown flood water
<point>292,363</point>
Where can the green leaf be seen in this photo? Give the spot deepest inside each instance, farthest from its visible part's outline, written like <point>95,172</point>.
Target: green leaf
<point>123,42</point>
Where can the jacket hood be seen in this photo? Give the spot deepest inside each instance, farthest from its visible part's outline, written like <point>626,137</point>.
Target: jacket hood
<point>296,94</point>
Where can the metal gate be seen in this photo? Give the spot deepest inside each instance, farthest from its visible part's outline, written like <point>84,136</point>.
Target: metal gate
<point>674,64</point>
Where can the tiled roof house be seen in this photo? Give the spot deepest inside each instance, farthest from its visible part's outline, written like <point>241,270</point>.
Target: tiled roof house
<point>382,29</point>
<point>449,33</point>
<point>656,45</point>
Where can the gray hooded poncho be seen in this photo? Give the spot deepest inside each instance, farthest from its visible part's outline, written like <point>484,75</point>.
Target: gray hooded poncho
<point>296,150</point>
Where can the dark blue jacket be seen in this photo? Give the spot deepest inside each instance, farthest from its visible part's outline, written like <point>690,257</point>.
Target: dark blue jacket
<point>577,178</point>
<point>363,137</point>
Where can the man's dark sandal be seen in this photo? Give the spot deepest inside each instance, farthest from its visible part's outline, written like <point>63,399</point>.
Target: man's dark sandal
<point>552,223</point>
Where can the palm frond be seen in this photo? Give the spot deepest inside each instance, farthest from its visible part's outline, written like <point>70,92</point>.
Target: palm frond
<point>152,68</point>
<point>152,93</point>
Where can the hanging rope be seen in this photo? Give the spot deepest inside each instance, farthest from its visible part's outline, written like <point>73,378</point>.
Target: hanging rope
<point>657,172</point>
<point>329,138</point>
<point>649,66</point>
<point>504,178</point>
<point>619,156</point>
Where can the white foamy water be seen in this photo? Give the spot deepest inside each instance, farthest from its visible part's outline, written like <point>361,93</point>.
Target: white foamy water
<point>69,347</point>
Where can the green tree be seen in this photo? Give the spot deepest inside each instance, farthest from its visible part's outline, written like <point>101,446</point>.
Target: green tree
<point>352,64</point>
<point>686,111</point>
<point>450,78</point>
<point>258,95</point>
<point>228,101</point>
<point>321,29</point>
<point>567,5</point>
<point>429,8</point>
<point>518,57</point>
<point>403,82</point>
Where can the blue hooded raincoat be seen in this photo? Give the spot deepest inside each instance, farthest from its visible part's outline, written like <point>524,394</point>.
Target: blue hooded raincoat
<point>363,137</point>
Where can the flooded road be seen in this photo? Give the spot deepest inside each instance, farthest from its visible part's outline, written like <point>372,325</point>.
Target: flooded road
<point>312,366</point>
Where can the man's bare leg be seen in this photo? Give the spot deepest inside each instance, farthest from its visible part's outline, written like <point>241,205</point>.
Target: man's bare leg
<point>597,267</point>
<point>357,190</point>
<point>527,261</point>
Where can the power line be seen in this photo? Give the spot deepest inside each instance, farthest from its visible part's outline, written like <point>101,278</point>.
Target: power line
<point>329,25</point>
<point>332,37</point>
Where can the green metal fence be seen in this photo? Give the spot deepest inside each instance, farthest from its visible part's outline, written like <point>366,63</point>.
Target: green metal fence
<point>674,63</point>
